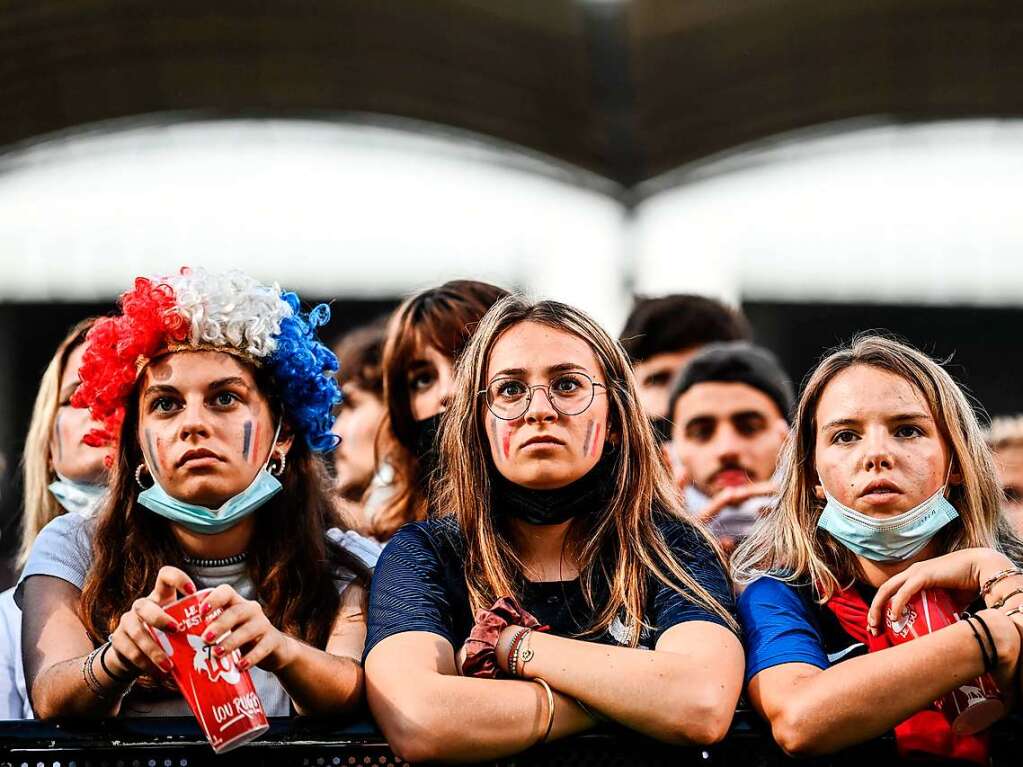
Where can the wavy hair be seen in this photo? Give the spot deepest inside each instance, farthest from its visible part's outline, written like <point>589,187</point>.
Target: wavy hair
<point>444,317</point>
<point>39,504</point>
<point>622,547</point>
<point>292,562</point>
<point>788,544</point>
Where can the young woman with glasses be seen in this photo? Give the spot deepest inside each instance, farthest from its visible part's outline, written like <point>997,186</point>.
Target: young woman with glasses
<point>561,584</point>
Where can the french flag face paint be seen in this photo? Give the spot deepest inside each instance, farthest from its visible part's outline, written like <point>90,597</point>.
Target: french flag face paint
<point>247,441</point>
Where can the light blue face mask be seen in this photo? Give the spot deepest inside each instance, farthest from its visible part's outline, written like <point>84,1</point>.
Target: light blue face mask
<point>893,539</point>
<point>77,497</point>
<point>200,519</point>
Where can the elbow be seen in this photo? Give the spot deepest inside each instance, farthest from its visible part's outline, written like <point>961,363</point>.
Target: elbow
<point>792,735</point>
<point>411,733</point>
<point>704,724</point>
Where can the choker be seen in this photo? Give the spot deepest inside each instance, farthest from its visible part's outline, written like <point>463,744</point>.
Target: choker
<point>590,493</point>
<point>237,559</point>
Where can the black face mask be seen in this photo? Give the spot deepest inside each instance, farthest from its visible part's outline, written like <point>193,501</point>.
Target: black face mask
<point>591,492</point>
<point>426,448</point>
<point>662,428</point>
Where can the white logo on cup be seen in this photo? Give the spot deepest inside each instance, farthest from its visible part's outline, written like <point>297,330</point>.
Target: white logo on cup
<point>208,663</point>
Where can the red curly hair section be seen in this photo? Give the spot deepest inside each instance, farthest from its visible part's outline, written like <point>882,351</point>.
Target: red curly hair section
<point>147,323</point>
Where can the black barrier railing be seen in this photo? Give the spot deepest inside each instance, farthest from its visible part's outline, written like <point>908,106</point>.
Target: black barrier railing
<point>146,742</point>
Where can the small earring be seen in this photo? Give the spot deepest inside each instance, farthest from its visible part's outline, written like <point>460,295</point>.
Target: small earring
<point>280,466</point>
<point>138,476</point>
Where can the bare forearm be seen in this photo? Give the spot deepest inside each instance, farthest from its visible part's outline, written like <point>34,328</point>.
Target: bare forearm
<point>667,695</point>
<point>320,683</point>
<point>450,718</point>
<point>864,697</point>
<point>61,691</point>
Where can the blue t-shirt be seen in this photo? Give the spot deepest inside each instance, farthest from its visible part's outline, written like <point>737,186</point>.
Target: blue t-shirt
<point>419,585</point>
<point>783,624</point>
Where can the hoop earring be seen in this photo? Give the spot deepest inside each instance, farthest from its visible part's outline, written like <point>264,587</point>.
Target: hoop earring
<point>280,466</point>
<point>138,476</point>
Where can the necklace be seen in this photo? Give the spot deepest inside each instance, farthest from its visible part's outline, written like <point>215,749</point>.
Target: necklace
<point>225,562</point>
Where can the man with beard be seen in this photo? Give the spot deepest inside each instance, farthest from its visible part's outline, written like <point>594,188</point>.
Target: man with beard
<point>662,334</point>
<point>730,408</point>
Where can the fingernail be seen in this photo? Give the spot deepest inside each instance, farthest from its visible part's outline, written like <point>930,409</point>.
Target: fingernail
<point>189,588</point>
<point>243,664</point>
<point>218,650</point>
<point>172,628</point>
<point>204,608</point>
<point>209,636</point>
<point>167,666</point>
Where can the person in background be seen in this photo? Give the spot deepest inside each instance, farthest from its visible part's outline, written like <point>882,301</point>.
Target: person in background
<point>215,397</point>
<point>888,489</point>
<point>425,337</point>
<point>553,508</point>
<point>362,410</point>
<point>1005,438</point>
<point>661,334</point>
<point>61,474</point>
<point>730,409</point>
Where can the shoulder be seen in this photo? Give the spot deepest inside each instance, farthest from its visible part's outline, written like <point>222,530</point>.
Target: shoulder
<point>686,542</point>
<point>67,537</point>
<point>440,537</point>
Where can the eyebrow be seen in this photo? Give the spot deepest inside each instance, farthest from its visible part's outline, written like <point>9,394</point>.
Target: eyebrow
<point>230,381</point>
<point>915,415</point>
<point>561,367</point>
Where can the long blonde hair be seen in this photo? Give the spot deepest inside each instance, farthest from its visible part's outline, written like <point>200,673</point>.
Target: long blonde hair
<point>623,546</point>
<point>39,504</point>
<point>788,544</point>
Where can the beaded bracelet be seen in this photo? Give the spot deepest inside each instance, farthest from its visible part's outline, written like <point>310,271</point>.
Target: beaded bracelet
<point>513,651</point>
<point>998,577</point>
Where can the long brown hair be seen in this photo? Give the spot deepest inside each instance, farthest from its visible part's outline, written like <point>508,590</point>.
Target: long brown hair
<point>39,504</point>
<point>445,318</point>
<point>623,546</point>
<point>788,544</point>
<point>291,561</point>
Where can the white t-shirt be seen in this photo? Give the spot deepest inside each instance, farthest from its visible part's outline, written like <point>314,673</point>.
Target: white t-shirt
<point>14,703</point>
<point>64,550</point>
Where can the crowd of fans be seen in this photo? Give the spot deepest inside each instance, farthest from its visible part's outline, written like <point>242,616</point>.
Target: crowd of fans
<point>495,525</point>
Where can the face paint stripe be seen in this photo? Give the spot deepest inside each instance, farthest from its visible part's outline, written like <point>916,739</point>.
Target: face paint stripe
<point>494,436</point>
<point>586,440</point>
<point>154,464</point>
<point>255,437</point>
<point>247,440</point>
<point>505,442</point>
<point>596,439</point>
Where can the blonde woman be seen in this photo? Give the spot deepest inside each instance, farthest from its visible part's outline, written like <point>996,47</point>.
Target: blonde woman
<point>61,473</point>
<point>888,489</point>
<point>562,584</point>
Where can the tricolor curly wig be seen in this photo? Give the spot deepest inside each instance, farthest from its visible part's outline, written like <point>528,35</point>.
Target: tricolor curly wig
<point>229,312</point>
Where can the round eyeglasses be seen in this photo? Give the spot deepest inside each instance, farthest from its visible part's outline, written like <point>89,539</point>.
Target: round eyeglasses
<point>568,393</point>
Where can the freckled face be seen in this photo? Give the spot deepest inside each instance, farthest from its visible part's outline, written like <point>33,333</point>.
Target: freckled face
<point>70,456</point>
<point>204,427</point>
<point>544,449</point>
<point>878,449</point>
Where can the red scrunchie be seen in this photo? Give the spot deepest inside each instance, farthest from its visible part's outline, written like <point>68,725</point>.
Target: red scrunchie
<point>481,646</point>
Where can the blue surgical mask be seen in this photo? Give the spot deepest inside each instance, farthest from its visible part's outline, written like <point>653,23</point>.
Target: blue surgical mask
<point>77,497</point>
<point>892,539</point>
<point>205,521</point>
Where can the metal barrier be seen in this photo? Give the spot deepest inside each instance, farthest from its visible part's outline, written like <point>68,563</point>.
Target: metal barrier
<point>178,742</point>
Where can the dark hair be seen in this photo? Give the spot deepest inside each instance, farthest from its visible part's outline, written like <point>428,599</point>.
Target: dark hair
<point>360,355</point>
<point>292,562</point>
<point>445,318</point>
<point>677,322</point>
<point>737,362</point>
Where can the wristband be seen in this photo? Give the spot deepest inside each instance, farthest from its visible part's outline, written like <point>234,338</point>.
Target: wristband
<point>988,665</point>
<point>106,669</point>
<point>550,708</point>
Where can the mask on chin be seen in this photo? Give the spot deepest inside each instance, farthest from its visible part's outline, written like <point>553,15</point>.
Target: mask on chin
<point>77,497</point>
<point>426,447</point>
<point>892,539</point>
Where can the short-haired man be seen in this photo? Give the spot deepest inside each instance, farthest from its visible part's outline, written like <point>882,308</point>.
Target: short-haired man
<point>1005,438</point>
<point>662,334</point>
<point>730,408</point>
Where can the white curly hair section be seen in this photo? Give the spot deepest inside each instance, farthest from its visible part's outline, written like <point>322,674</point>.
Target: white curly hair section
<point>230,309</point>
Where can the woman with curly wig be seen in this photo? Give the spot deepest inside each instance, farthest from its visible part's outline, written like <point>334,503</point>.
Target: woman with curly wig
<point>61,474</point>
<point>561,583</point>
<point>425,337</point>
<point>216,396</point>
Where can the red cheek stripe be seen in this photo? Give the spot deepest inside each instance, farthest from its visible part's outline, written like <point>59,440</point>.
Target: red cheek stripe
<point>586,439</point>
<point>505,442</point>
<point>596,439</point>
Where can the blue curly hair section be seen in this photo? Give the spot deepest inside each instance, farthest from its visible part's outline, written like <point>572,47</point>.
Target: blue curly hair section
<point>304,371</point>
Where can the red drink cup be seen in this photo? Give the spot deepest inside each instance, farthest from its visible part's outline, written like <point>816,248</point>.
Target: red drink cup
<point>974,705</point>
<point>221,696</point>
